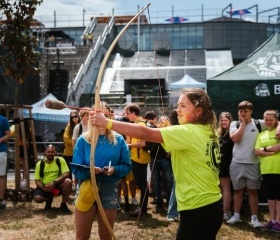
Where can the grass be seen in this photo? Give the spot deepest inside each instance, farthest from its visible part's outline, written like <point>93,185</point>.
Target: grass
<point>29,221</point>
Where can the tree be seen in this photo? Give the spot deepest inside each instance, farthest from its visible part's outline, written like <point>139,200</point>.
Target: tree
<point>19,56</point>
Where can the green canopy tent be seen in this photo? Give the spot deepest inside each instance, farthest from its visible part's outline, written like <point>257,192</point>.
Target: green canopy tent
<point>256,79</point>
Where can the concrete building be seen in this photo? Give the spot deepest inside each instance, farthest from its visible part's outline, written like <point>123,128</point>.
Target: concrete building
<point>148,59</point>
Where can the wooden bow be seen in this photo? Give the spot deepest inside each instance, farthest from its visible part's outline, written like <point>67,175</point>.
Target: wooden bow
<point>95,131</point>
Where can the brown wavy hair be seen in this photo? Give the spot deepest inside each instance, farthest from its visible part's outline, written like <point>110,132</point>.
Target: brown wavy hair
<point>71,122</point>
<point>200,99</point>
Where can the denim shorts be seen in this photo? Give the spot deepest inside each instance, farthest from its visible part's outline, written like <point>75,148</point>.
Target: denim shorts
<point>108,192</point>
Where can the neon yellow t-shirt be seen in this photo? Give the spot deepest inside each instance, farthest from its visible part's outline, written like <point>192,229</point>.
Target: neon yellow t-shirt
<point>51,171</point>
<point>195,161</point>
<point>269,164</point>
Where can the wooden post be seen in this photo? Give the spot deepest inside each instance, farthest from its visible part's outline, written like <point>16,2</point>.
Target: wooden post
<point>17,161</point>
<point>19,121</point>
<point>31,124</point>
<point>25,153</point>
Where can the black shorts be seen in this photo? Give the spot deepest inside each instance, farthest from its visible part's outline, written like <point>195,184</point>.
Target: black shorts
<point>190,222</point>
<point>224,168</point>
<point>46,194</point>
<point>272,186</point>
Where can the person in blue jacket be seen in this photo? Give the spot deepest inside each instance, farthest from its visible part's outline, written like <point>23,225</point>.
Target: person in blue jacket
<point>112,162</point>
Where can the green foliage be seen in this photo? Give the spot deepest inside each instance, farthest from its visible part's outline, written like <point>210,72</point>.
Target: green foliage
<point>18,55</point>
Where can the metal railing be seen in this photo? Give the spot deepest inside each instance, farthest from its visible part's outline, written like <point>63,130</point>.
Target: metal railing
<point>73,86</point>
<point>159,17</point>
<point>119,101</point>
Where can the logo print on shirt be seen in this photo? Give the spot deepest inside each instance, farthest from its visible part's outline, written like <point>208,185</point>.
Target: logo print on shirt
<point>214,151</point>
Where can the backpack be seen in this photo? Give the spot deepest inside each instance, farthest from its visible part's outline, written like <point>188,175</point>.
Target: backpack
<point>257,123</point>
<point>42,167</point>
<point>149,145</point>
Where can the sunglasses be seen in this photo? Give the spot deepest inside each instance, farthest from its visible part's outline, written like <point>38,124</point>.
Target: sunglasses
<point>75,116</point>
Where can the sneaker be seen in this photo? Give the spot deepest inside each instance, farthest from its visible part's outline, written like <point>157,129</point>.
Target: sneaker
<point>137,213</point>
<point>64,208</point>
<point>234,219</point>
<point>173,219</point>
<point>3,204</point>
<point>48,203</point>
<point>134,201</point>
<point>227,216</point>
<point>255,222</point>
<point>127,208</point>
<point>268,226</point>
<point>276,227</point>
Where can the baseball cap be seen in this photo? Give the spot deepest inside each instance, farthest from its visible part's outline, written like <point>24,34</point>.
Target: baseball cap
<point>86,197</point>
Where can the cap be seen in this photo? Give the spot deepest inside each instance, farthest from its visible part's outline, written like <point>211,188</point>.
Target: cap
<point>86,197</point>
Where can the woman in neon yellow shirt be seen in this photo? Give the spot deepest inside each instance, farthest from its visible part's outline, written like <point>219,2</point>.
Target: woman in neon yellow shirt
<point>268,148</point>
<point>74,119</point>
<point>195,160</point>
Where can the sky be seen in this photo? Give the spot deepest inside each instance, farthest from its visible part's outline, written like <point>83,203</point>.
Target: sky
<point>69,12</point>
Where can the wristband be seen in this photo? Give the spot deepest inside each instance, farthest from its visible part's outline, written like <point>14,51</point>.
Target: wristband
<point>109,124</point>
<point>265,149</point>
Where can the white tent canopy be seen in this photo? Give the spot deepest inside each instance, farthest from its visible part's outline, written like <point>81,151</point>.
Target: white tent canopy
<point>41,113</point>
<point>187,82</point>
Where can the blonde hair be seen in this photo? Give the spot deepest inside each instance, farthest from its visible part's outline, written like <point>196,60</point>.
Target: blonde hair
<point>222,131</point>
<point>84,111</point>
<point>272,113</point>
<point>109,133</point>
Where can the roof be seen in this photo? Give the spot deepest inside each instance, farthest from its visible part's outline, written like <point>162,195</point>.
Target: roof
<point>225,19</point>
<point>187,81</point>
<point>199,64</point>
<point>263,63</point>
<point>57,33</point>
<point>33,24</point>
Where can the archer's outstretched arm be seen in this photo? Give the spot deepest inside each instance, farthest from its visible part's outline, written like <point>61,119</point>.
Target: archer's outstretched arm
<point>133,130</point>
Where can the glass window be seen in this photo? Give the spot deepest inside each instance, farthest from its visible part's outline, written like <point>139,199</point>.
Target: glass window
<point>181,36</point>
